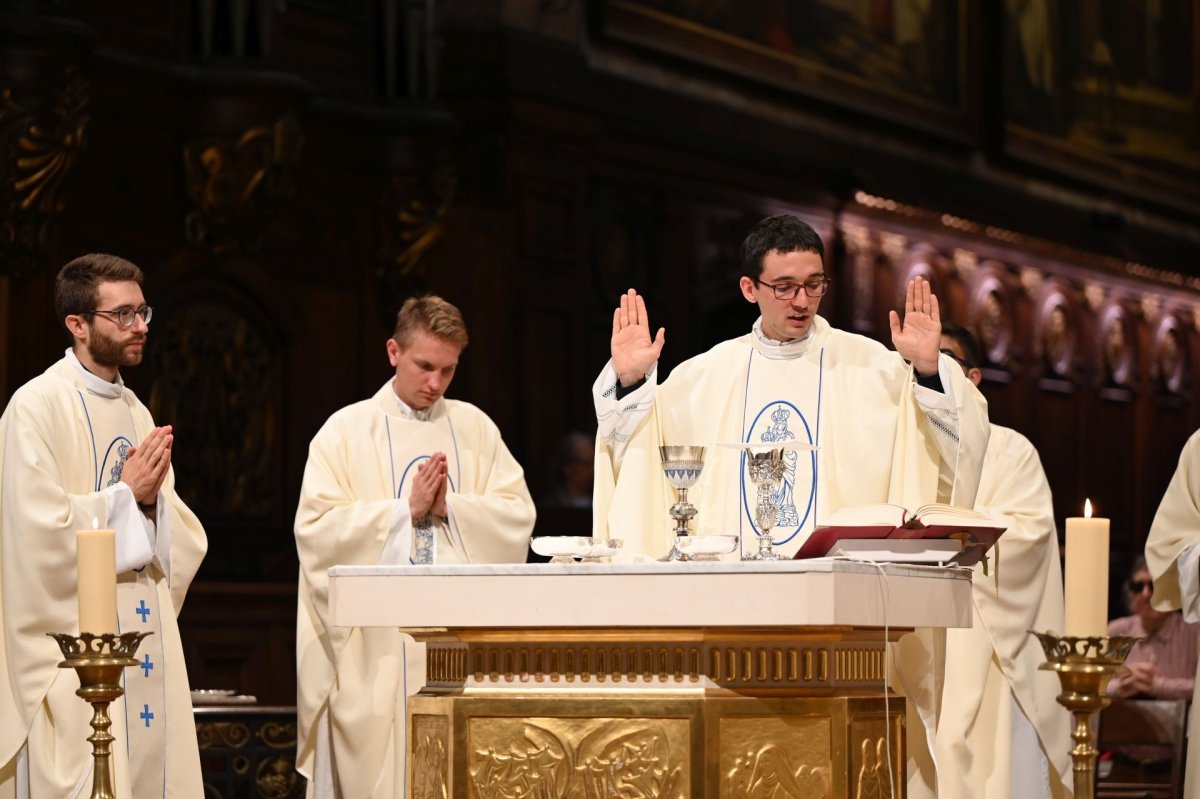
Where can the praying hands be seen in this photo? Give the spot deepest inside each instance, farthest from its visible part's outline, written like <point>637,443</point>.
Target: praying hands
<point>146,467</point>
<point>429,488</point>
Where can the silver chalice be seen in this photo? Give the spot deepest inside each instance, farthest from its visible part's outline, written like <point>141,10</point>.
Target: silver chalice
<point>766,472</point>
<point>682,466</point>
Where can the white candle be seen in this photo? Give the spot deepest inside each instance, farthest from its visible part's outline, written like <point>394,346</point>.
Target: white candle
<point>96,563</point>
<point>1086,586</point>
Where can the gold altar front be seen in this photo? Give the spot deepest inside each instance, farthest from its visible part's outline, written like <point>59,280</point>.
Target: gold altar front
<point>677,713</point>
<point>666,680</point>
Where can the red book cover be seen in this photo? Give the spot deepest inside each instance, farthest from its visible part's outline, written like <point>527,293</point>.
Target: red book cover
<point>977,532</point>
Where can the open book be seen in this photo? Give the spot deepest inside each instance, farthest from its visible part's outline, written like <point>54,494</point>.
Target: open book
<point>931,533</point>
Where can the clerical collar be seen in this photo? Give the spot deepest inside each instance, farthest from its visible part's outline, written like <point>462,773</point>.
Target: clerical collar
<point>780,349</point>
<point>410,413</point>
<point>95,384</point>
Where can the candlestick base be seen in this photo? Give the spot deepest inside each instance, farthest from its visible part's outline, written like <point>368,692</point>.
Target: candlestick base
<point>99,660</point>
<point>1084,666</point>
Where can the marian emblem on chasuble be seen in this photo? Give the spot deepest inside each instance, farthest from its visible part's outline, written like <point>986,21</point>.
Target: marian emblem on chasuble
<point>114,462</point>
<point>779,422</point>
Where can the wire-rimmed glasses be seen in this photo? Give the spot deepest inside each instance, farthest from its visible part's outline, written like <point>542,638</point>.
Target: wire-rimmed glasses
<point>124,316</point>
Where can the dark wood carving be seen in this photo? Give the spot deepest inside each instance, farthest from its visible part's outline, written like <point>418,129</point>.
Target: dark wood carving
<point>44,95</point>
<point>217,380</point>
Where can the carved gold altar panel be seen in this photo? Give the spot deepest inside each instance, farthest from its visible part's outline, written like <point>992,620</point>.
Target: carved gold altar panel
<point>598,746</point>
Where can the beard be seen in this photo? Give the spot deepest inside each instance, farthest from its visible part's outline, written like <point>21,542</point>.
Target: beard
<point>110,352</point>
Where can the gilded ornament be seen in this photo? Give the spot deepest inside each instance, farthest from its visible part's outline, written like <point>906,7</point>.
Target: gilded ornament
<point>237,184</point>
<point>42,137</point>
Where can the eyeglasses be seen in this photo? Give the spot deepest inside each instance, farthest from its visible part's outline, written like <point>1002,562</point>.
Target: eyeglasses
<point>124,316</point>
<point>959,360</point>
<point>1138,586</point>
<point>786,291</point>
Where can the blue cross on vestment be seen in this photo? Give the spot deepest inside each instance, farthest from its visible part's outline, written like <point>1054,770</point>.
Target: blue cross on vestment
<point>142,611</point>
<point>146,714</point>
<point>146,665</point>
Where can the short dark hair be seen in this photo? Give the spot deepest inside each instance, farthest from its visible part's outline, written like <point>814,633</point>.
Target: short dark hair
<point>782,233</point>
<point>966,341</point>
<point>433,315</point>
<point>77,287</point>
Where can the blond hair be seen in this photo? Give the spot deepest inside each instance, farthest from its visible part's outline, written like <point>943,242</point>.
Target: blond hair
<point>433,315</point>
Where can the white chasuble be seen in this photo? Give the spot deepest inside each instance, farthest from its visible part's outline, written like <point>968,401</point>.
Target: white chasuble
<point>993,668</point>
<point>144,700</point>
<point>352,683</point>
<point>412,442</point>
<point>1171,555</point>
<point>65,436</point>
<point>878,438</point>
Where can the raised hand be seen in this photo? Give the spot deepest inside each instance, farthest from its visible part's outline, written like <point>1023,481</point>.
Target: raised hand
<point>428,483</point>
<point>919,338</point>
<point>146,466</point>
<point>633,353</point>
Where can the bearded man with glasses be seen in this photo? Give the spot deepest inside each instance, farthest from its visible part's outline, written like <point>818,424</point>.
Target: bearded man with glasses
<point>80,451</point>
<point>905,427</point>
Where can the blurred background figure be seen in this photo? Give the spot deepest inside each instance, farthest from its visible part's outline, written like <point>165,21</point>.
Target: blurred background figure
<point>1163,664</point>
<point>571,469</point>
<point>566,507</point>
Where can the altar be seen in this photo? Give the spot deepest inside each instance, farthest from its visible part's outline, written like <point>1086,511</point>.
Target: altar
<point>649,680</point>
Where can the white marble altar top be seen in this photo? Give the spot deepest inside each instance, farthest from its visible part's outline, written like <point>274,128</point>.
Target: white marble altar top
<point>819,592</point>
<point>812,565</point>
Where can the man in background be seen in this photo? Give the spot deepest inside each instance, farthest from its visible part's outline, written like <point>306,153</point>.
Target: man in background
<point>79,452</point>
<point>406,476</point>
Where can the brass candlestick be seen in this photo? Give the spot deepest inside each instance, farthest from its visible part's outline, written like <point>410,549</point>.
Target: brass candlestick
<point>1084,666</point>
<point>99,660</point>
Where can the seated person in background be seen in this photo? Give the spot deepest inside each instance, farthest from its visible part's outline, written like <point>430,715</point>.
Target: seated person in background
<point>1163,665</point>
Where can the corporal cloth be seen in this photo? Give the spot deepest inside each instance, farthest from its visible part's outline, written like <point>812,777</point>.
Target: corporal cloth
<point>1173,557</point>
<point>995,662</point>
<point>66,435</point>
<point>879,438</point>
<point>353,682</point>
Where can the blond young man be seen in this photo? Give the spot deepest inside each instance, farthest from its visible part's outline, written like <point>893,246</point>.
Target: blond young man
<point>406,476</point>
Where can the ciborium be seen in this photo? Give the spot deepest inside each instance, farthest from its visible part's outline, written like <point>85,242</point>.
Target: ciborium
<point>1084,666</point>
<point>682,466</point>
<point>99,661</point>
<point>766,469</point>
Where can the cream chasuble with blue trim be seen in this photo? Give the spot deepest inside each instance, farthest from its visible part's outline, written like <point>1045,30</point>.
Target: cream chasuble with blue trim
<point>65,439</point>
<point>353,682</point>
<point>137,610</point>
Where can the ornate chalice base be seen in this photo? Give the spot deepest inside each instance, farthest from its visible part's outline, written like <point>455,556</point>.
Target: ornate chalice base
<point>1084,666</point>
<point>682,466</point>
<point>766,472</point>
<point>99,660</point>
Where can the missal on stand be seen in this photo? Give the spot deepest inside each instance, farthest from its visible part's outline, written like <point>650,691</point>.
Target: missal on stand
<point>933,533</point>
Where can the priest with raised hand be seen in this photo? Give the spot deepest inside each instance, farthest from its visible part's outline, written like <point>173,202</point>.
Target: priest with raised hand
<point>905,427</point>
<point>80,451</point>
<point>406,476</point>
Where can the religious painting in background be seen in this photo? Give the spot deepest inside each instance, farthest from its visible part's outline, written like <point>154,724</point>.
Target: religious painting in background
<point>1107,89</point>
<point>903,59</point>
